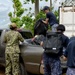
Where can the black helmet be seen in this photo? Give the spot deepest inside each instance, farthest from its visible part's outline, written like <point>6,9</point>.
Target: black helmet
<point>61,27</point>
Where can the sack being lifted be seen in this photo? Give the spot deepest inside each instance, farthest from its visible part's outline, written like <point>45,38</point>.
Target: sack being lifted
<point>40,28</point>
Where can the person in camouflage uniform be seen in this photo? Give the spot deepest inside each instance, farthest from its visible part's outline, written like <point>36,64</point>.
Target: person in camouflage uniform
<point>12,51</point>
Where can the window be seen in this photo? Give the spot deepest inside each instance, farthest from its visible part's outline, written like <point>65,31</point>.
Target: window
<point>26,35</point>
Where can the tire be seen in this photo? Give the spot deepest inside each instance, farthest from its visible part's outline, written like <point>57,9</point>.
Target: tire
<point>22,69</point>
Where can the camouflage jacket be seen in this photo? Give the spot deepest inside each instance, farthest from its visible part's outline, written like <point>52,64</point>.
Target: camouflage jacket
<point>12,39</point>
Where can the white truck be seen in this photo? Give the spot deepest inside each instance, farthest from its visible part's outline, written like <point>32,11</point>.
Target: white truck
<point>67,18</point>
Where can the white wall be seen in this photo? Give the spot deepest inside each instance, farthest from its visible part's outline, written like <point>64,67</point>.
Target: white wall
<point>67,18</point>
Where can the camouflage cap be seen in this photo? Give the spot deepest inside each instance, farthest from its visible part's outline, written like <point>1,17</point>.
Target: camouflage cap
<point>13,25</point>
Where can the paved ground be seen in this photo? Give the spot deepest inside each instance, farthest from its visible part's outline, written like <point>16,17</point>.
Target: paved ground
<point>2,70</point>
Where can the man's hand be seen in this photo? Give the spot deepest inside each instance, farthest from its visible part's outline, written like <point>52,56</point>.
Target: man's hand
<point>34,37</point>
<point>64,58</point>
<point>41,44</point>
<point>46,21</point>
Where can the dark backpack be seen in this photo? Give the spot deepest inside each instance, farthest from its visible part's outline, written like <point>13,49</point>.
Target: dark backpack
<point>53,43</point>
<point>40,28</point>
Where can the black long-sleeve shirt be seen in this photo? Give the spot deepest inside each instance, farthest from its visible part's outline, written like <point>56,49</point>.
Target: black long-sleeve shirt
<point>70,53</point>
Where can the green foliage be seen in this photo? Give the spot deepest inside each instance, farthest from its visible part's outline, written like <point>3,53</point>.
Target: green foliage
<point>28,21</point>
<point>33,1</point>
<point>40,15</point>
<point>27,0</point>
<point>15,19</point>
<point>46,0</point>
<point>10,14</point>
<point>19,23</point>
<point>20,12</point>
<point>57,14</point>
<point>30,8</point>
<point>17,4</point>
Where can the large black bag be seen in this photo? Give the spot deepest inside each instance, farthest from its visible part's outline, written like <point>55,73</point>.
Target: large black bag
<point>40,28</point>
<point>53,43</point>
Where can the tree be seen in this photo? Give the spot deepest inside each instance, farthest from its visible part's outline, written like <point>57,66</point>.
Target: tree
<point>50,4</point>
<point>36,5</point>
<point>18,11</point>
<point>27,20</point>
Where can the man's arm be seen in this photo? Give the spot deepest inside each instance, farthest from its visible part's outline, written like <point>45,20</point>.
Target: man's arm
<point>20,37</point>
<point>66,51</point>
<point>66,42</point>
<point>46,21</point>
<point>65,54</point>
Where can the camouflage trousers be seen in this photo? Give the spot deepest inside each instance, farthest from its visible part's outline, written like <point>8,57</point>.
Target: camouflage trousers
<point>12,64</point>
<point>52,66</point>
<point>70,71</point>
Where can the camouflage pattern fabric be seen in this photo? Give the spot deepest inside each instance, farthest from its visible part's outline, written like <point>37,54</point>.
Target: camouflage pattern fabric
<point>12,39</point>
<point>70,71</point>
<point>52,66</point>
<point>12,64</point>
